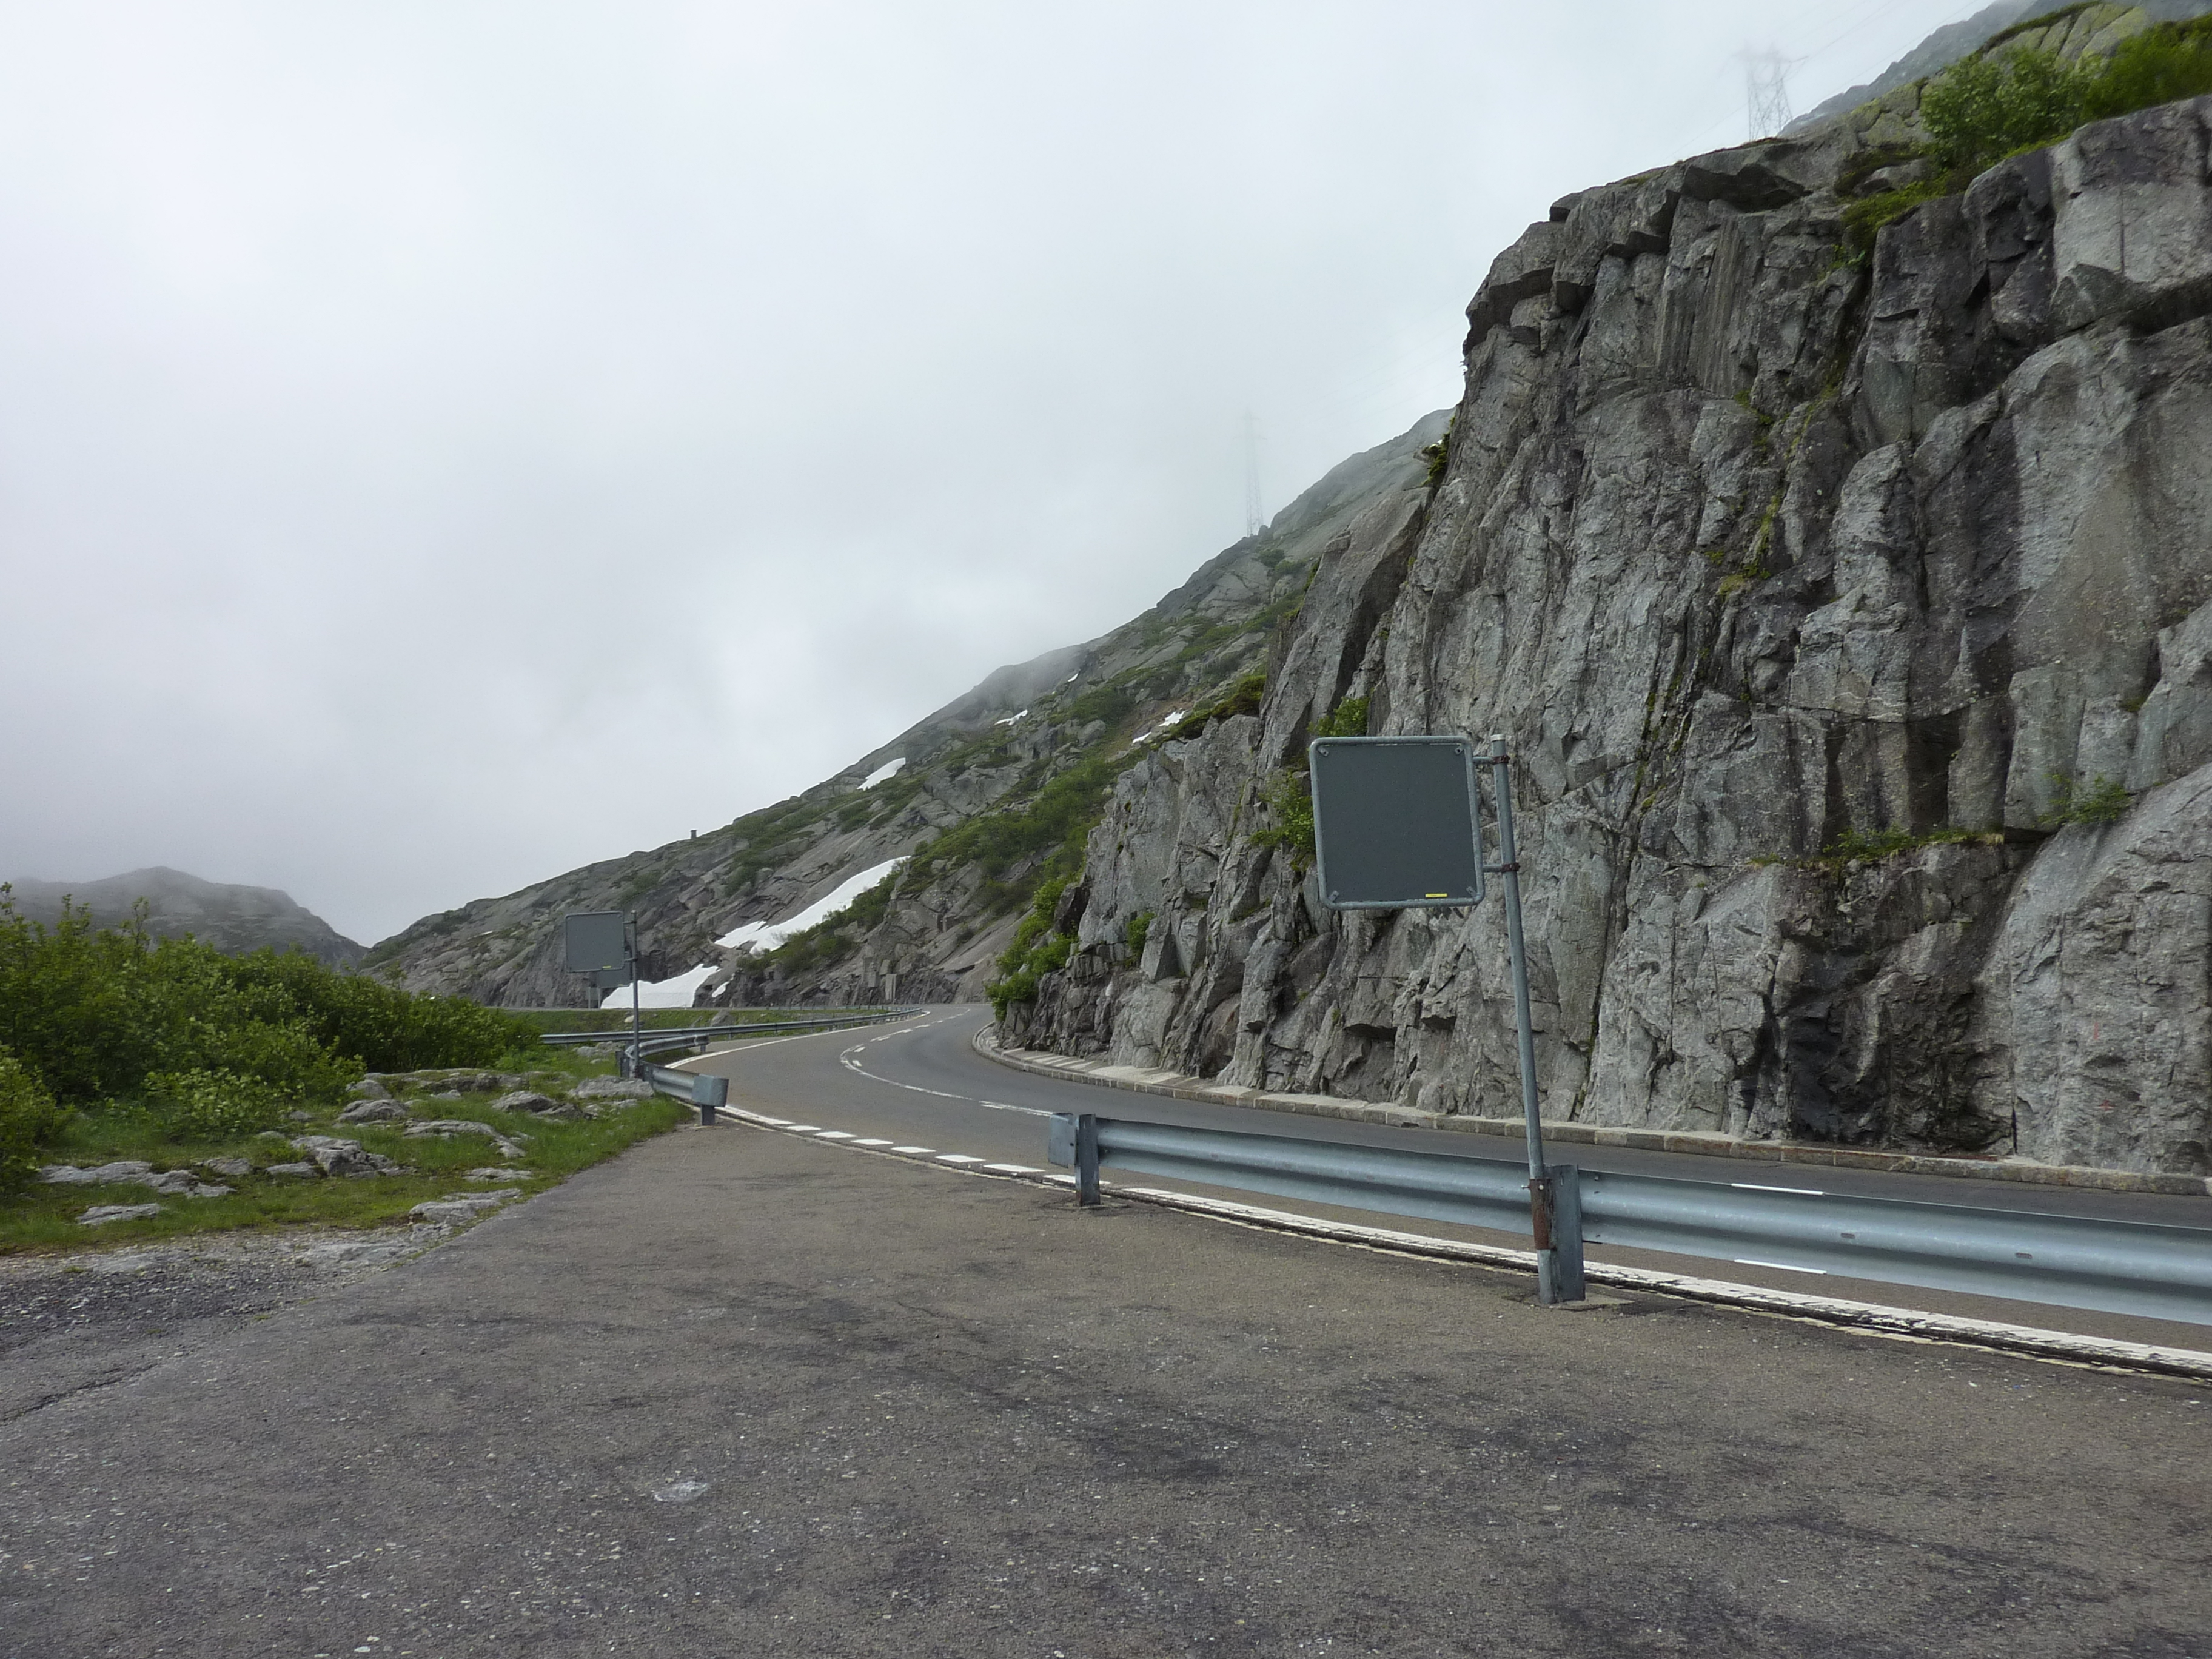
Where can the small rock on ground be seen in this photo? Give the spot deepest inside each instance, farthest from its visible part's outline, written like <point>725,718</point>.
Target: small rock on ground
<point>612,1088</point>
<point>68,1175</point>
<point>373,1111</point>
<point>103,1213</point>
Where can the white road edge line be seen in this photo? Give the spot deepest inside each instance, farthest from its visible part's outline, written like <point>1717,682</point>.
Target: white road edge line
<point>1901,1324</point>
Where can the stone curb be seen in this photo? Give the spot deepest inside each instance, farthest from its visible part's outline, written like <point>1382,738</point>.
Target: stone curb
<point>1175,1086</point>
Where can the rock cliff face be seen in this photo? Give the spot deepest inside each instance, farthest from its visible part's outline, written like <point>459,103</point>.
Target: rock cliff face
<point>1831,607</point>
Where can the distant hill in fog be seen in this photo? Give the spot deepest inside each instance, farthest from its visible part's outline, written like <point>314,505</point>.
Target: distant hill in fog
<point>231,918</point>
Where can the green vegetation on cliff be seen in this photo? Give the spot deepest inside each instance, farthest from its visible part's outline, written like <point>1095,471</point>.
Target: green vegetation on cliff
<point>2003,102</point>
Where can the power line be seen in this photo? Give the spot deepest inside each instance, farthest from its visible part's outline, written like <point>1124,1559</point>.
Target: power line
<point>1254,520</point>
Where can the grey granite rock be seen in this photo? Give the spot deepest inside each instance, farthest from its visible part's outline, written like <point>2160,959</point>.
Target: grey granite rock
<point>538,1105</point>
<point>611,1088</point>
<point>100,1213</point>
<point>68,1175</point>
<point>461,1208</point>
<point>292,1170</point>
<point>336,1156</point>
<point>379,1110</point>
<point>1753,552</point>
<point>447,1128</point>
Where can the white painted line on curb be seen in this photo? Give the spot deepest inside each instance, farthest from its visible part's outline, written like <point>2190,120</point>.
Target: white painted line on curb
<point>1759,1187</point>
<point>834,1134</point>
<point>1012,1169</point>
<point>871,1142</point>
<point>1779,1267</point>
<point>957,1157</point>
<point>915,1152</point>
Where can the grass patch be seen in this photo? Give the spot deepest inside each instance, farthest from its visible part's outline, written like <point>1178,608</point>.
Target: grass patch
<point>44,1218</point>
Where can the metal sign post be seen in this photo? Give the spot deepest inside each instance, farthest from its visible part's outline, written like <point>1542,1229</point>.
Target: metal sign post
<point>603,945</point>
<point>1398,826</point>
<point>1554,1196</point>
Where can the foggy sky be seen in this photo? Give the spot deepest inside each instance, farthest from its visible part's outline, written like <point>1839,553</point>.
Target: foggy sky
<point>420,423</point>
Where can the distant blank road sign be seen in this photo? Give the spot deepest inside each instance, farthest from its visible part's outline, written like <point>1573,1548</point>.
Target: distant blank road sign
<point>1395,823</point>
<point>599,943</point>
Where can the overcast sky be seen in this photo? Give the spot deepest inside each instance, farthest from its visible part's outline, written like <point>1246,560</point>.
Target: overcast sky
<point>424,426</point>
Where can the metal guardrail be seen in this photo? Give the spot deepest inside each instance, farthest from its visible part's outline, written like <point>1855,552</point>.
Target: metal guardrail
<point>705,1091</point>
<point>668,1036</point>
<point>2144,1268</point>
<point>701,1090</point>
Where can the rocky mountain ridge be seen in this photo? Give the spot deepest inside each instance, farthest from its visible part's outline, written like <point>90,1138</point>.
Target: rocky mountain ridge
<point>981,796</point>
<point>230,917</point>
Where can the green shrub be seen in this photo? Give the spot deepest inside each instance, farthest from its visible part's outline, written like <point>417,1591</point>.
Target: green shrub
<point>1988,106</point>
<point>2105,801</point>
<point>1438,454</point>
<point>2000,103</point>
<point>95,1013</point>
<point>29,1117</point>
<point>1289,798</point>
<point>1138,929</point>
<point>1244,697</point>
<point>201,1104</point>
<point>2158,66</point>
<point>1347,719</point>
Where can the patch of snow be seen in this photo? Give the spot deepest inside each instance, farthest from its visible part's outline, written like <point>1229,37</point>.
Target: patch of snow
<point>1071,678</point>
<point>890,769</point>
<point>1163,727</point>
<point>766,935</point>
<point>662,993</point>
<point>1011,718</point>
<point>677,993</point>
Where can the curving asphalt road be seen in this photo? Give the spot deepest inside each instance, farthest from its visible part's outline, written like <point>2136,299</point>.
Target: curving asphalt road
<point>922,1082</point>
<point>746,1392</point>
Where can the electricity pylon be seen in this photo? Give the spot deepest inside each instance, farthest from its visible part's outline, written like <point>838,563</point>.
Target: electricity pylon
<point>1766,90</point>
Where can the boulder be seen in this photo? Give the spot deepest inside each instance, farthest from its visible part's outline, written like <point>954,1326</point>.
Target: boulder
<point>612,1088</point>
<point>538,1105</point>
<point>336,1156</point>
<point>185,1184</point>
<point>235,1168</point>
<point>292,1170</point>
<point>380,1109</point>
<point>369,1088</point>
<point>445,1128</point>
<point>68,1174</point>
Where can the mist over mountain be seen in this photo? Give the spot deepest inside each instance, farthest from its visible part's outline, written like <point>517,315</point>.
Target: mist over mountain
<point>231,918</point>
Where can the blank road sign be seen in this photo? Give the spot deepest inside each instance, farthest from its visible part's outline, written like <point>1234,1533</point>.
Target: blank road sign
<point>597,940</point>
<point>1395,823</point>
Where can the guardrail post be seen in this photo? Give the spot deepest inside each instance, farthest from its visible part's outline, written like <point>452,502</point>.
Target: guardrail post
<point>707,1093</point>
<point>1556,1203</point>
<point>1086,1159</point>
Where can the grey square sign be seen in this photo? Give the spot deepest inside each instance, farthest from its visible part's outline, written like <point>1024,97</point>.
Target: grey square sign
<point>1395,823</point>
<point>598,941</point>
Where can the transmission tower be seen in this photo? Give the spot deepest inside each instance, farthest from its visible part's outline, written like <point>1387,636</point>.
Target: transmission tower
<point>1254,520</point>
<point>1766,90</point>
